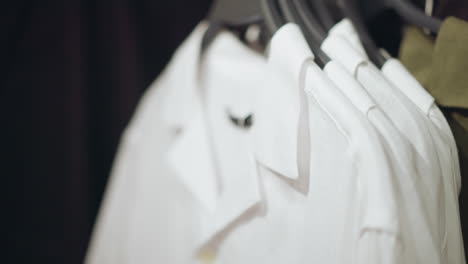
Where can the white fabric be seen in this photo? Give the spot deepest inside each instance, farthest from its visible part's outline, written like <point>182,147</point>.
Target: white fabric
<point>188,182</point>
<point>406,118</point>
<point>342,211</point>
<point>284,117</point>
<point>399,76</point>
<point>345,28</point>
<point>448,155</point>
<point>176,184</point>
<point>154,212</point>
<point>147,209</point>
<point>441,134</point>
<point>231,76</point>
<point>408,166</point>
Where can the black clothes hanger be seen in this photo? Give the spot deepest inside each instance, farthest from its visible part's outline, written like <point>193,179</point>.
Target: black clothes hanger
<point>314,37</point>
<point>404,8</point>
<point>311,22</point>
<point>371,8</point>
<point>323,13</point>
<point>350,9</point>
<point>238,15</point>
<point>235,15</point>
<point>273,17</point>
<point>353,8</point>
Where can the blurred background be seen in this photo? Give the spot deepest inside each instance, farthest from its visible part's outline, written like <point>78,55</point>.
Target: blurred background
<point>71,74</point>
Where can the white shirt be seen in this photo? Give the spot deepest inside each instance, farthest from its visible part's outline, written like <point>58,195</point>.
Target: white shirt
<point>440,131</point>
<point>447,152</point>
<point>189,182</point>
<point>148,207</point>
<point>345,210</point>
<point>406,118</point>
<point>416,235</point>
<point>176,184</point>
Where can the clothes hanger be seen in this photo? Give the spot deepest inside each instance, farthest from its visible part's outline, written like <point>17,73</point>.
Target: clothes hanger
<point>350,9</point>
<point>291,10</point>
<point>273,17</point>
<point>238,14</point>
<point>371,8</point>
<point>235,15</point>
<point>323,13</point>
<point>405,9</point>
<point>310,20</point>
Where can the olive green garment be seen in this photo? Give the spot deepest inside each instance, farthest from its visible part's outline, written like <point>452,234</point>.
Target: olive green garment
<point>441,65</point>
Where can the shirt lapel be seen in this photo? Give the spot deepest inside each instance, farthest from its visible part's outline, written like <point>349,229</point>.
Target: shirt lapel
<point>190,154</point>
<point>231,142</point>
<point>281,131</point>
<point>211,154</point>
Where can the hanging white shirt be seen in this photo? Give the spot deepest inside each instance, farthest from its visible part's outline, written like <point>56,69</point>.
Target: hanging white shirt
<point>185,189</point>
<point>447,153</point>
<point>185,171</point>
<point>405,117</point>
<point>149,214</point>
<point>409,167</point>
<point>441,134</point>
<point>344,210</point>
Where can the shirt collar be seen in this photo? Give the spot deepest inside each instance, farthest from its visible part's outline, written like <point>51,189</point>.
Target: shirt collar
<point>278,128</point>
<point>402,78</point>
<point>345,28</point>
<point>239,70</point>
<point>179,105</point>
<point>392,68</point>
<point>182,111</point>
<point>339,49</point>
<point>219,170</point>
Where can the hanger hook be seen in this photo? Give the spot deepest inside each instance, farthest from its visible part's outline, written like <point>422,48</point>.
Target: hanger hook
<point>429,7</point>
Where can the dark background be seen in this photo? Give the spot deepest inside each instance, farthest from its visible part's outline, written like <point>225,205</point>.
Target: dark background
<point>71,73</point>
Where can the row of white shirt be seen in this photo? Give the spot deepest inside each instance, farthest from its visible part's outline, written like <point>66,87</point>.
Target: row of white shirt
<point>235,157</point>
